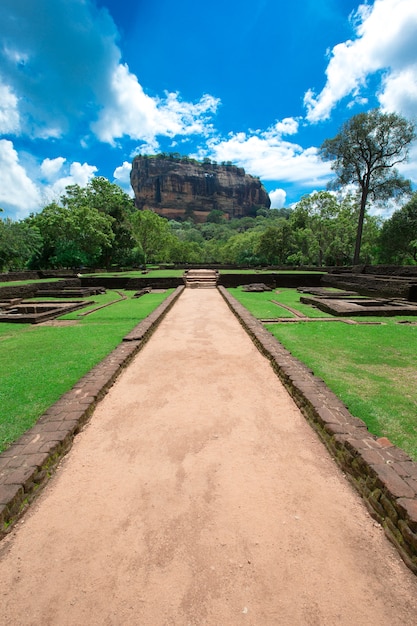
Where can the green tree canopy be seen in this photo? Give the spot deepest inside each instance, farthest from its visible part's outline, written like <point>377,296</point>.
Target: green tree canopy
<point>365,153</point>
<point>109,199</point>
<point>72,236</point>
<point>398,238</point>
<point>153,234</point>
<point>274,244</point>
<point>18,242</point>
<point>215,217</point>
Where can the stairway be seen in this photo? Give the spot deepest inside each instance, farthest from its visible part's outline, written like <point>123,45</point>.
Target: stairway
<point>201,279</point>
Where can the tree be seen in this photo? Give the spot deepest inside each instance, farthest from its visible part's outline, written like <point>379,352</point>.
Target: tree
<point>72,236</point>
<point>365,152</point>
<point>109,199</point>
<point>274,243</point>
<point>240,249</point>
<point>152,233</point>
<point>398,238</point>
<point>215,217</point>
<point>18,242</point>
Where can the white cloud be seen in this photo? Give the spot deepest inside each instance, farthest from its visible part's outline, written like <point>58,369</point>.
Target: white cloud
<point>51,167</point>
<point>409,169</point>
<point>56,55</point>
<point>287,126</point>
<point>9,115</point>
<point>23,192</point>
<point>17,191</point>
<point>386,41</point>
<point>128,111</point>
<point>39,99</point>
<point>73,174</point>
<point>399,92</point>
<point>278,197</point>
<point>122,177</point>
<point>150,146</point>
<point>267,155</point>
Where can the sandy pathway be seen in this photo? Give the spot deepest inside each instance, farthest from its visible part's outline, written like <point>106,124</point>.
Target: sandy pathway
<point>197,495</point>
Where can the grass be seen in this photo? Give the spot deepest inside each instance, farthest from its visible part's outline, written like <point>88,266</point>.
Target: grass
<point>171,273</point>
<point>151,273</point>
<point>371,368</point>
<point>261,304</point>
<point>256,271</point>
<point>15,283</point>
<point>40,363</point>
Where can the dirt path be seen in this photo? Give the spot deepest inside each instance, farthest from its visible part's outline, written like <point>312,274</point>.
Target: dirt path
<point>198,495</point>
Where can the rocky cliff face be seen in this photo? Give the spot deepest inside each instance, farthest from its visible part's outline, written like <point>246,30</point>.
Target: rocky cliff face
<point>178,188</point>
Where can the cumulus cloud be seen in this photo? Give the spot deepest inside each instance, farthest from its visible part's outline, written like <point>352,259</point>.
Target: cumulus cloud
<point>56,57</point>
<point>385,43</point>
<point>9,115</point>
<point>24,190</point>
<point>51,167</point>
<point>68,174</point>
<point>61,66</point>
<point>122,177</point>
<point>278,197</point>
<point>409,168</point>
<point>128,111</point>
<point>271,157</point>
<point>17,191</point>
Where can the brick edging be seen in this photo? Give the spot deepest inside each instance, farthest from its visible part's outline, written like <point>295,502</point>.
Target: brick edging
<point>27,464</point>
<point>384,475</point>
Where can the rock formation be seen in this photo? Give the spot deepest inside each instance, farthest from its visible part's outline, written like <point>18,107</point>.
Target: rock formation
<point>178,187</point>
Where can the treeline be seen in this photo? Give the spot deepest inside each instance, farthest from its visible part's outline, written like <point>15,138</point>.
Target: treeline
<point>98,226</point>
<point>183,158</point>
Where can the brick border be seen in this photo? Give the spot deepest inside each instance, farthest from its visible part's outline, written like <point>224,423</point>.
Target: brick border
<point>27,464</point>
<point>384,475</point>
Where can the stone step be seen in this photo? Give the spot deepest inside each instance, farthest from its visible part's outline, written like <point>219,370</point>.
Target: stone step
<point>201,279</point>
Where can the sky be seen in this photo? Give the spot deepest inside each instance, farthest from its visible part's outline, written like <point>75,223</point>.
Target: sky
<point>85,85</point>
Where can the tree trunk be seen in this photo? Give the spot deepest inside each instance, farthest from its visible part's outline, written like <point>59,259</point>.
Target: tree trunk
<point>361,218</point>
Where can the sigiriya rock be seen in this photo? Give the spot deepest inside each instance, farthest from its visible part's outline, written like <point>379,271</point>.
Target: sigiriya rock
<point>179,187</point>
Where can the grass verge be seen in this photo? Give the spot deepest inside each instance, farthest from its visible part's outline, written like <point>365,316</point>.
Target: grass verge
<point>371,368</point>
<point>150,273</point>
<point>263,305</point>
<point>39,363</point>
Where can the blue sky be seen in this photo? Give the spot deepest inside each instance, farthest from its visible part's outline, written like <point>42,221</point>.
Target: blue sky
<point>87,84</point>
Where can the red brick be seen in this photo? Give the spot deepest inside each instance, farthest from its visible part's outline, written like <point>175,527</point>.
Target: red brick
<point>12,451</point>
<point>392,482</point>
<point>337,429</point>
<point>412,482</point>
<point>384,442</point>
<point>398,454</point>
<point>39,459</point>
<point>405,468</point>
<point>21,476</point>
<point>372,457</point>
<point>4,514</point>
<point>10,494</point>
<point>408,534</point>
<point>408,508</point>
<point>326,416</point>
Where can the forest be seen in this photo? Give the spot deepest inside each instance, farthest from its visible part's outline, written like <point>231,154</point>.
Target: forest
<point>98,226</point>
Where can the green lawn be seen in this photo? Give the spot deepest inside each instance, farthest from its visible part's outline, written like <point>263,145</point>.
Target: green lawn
<point>262,305</point>
<point>151,273</point>
<point>256,271</point>
<point>372,368</point>
<point>39,363</point>
<point>16,283</point>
